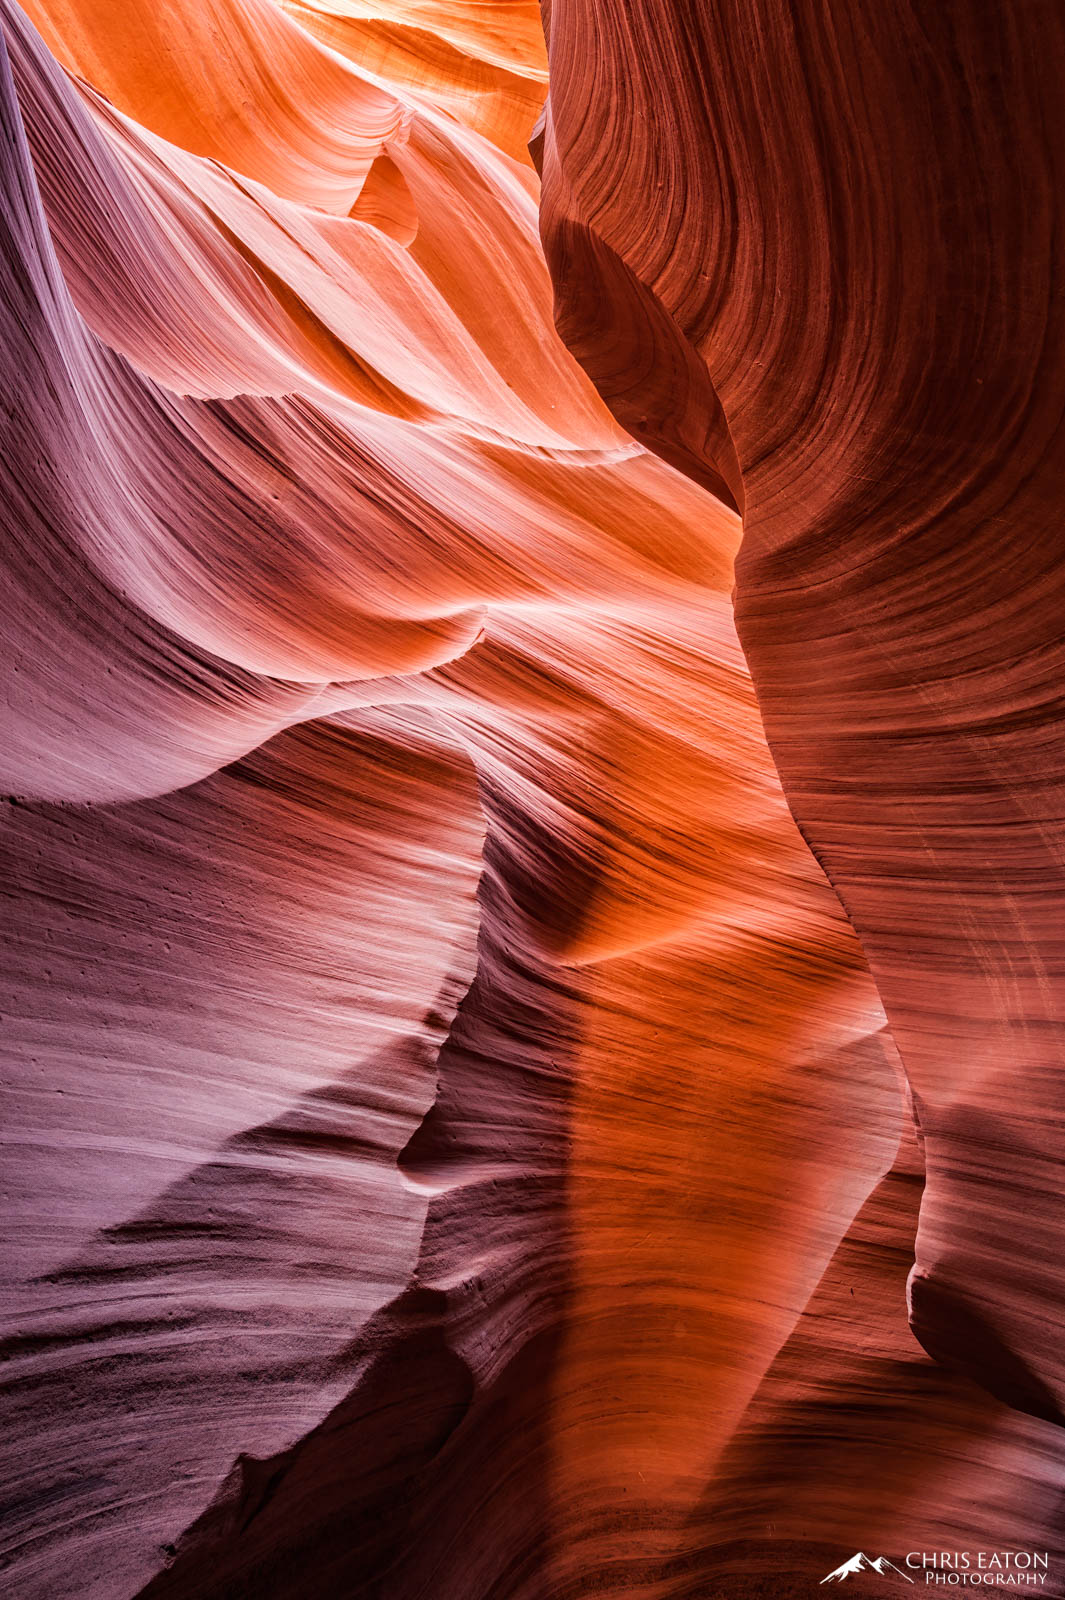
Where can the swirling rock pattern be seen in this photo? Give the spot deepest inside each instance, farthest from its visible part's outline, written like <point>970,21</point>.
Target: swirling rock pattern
<point>452,1142</point>
<point>842,298</point>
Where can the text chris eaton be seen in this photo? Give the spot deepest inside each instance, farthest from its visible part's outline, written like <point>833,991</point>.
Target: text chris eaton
<point>1013,1568</point>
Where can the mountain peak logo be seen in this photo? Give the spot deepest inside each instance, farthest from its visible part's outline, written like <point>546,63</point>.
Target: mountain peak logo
<point>862,1563</point>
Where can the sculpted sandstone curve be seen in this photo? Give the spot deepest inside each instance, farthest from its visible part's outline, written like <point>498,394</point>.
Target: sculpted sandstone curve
<point>850,238</point>
<point>452,1140</point>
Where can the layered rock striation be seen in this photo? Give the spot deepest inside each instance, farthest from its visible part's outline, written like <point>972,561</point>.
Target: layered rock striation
<point>453,1143</point>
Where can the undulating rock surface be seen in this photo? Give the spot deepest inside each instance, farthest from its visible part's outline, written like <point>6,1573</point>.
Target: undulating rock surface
<point>841,296</point>
<point>454,1147</point>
